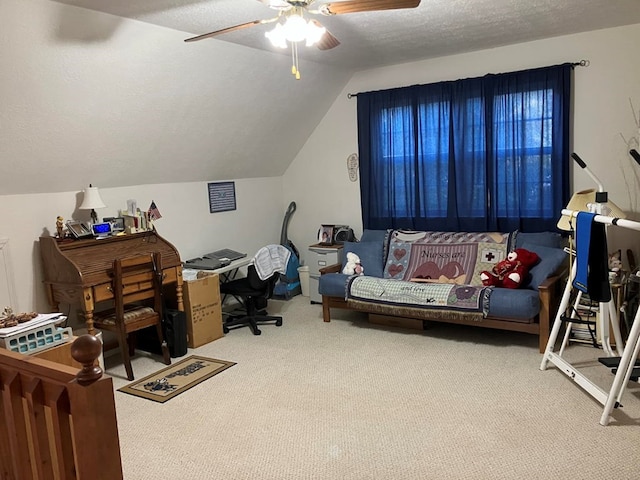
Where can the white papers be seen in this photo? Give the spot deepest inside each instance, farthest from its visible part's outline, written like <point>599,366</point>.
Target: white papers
<point>189,274</point>
<point>41,320</point>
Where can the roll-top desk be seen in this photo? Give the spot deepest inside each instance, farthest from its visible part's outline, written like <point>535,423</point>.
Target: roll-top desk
<point>79,272</point>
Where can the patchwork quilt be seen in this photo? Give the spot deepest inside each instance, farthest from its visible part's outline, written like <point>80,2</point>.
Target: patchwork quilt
<point>440,296</point>
<point>444,257</point>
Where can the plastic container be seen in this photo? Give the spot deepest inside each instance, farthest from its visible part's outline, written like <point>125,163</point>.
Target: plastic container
<point>303,272</point>
<point>36,339</point>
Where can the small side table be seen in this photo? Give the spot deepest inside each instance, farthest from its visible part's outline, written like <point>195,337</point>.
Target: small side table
<point>321,256</point>
<point>59,354</point>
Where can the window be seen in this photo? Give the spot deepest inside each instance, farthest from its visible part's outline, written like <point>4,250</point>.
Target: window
<point>476,154</point>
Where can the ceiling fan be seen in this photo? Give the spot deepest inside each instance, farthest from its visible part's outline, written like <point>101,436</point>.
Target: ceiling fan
<point>292,27</point>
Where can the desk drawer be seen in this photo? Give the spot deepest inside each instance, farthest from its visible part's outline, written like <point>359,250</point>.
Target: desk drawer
<point>104,291</point>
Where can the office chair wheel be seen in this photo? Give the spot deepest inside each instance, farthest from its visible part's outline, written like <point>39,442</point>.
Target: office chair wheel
<point>225,329</point>
<point>279,322</point>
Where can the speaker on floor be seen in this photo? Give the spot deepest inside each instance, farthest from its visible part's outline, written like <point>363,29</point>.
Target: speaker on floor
<point>174,329</point>
<point>175,332</point>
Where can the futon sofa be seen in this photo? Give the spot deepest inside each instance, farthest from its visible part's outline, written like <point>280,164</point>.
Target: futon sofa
<point>435,276</point>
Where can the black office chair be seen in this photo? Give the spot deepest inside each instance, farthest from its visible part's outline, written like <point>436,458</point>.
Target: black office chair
<point>253,294</point>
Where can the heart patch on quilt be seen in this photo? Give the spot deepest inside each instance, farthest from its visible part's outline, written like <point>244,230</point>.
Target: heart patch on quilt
<point>395,270</point>
<point>399,253</point>
<point>452,271</point>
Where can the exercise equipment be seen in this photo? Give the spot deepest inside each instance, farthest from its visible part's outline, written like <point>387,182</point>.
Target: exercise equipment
<point>623,364</point>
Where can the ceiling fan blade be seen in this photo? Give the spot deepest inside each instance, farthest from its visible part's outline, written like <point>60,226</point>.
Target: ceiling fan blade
<point>328,41</point>
<point>226,30</point>
<point>354,6</point>
<point>277,4</point>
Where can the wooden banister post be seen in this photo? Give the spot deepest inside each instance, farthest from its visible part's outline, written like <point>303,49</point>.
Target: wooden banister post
<point>86,350</point>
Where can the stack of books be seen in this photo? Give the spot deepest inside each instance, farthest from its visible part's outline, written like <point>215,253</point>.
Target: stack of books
<point>587,330</point>
<point>140,222</point>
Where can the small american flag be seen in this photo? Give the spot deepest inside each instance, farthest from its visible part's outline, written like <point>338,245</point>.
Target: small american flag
<point>154,213</point>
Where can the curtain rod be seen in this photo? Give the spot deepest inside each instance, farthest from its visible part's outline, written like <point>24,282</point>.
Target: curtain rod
<point>581,63</point>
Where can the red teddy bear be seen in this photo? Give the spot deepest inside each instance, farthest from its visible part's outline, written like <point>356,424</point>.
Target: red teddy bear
<point>510,272</point>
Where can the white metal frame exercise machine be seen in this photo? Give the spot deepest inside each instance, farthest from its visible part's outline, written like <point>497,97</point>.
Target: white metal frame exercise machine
<point>608,314</point>
<point>628,354</point>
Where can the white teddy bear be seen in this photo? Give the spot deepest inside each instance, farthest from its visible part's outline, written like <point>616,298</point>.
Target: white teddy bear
<point>353,265</point>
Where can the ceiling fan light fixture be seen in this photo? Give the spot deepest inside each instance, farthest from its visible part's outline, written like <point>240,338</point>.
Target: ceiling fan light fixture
<point>277,36</point>
<point>295,28</point>
<point>314,33</point>
<point>291,28</point>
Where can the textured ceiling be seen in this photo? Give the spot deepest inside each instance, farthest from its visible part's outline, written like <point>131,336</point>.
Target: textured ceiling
<point>131,104</point>
<point>436,28</point>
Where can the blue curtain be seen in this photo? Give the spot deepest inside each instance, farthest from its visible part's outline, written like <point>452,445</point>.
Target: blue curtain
<point>479,154</point>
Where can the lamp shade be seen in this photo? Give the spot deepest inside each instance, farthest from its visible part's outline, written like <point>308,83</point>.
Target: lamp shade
<point>91,199</point>
<point>582,201</point>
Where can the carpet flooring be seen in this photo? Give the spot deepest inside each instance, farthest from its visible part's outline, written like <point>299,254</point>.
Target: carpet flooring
<point>352,400</point>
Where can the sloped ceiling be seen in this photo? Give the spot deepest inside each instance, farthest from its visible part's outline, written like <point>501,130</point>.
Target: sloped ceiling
<point>436,28</point>
<point>109,93</point>
<point>93,98</point>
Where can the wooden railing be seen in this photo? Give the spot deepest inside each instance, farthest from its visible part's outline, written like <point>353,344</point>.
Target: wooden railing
<point>58,422</point>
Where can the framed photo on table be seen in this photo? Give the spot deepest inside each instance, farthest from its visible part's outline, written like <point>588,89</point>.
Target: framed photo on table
<point>325,235</point>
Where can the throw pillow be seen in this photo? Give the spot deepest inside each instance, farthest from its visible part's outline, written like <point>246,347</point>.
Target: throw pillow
<point>545,239</point>
<point>550,261</point>
<point>370,254</point>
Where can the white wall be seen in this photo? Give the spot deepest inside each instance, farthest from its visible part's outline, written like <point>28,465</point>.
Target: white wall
<point>90,97</point>
<point>128,106</point>
<point>186,223</point>
<point>317,179</point>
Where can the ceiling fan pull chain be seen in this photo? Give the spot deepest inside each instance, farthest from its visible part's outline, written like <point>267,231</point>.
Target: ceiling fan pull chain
<point>293,58</point>
<point>294,55</point>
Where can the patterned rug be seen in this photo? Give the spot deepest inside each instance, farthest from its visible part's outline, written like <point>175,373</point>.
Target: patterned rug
<point>176,379</point>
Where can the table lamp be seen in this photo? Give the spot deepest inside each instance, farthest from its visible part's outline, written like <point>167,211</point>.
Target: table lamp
<point>590,201</point>
<point>92,201</point>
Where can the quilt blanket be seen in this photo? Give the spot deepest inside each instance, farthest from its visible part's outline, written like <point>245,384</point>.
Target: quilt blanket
<point>453,297</point>
<point>444,257</point>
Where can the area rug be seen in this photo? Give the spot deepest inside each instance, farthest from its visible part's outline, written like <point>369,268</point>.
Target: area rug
<point>176,379</point>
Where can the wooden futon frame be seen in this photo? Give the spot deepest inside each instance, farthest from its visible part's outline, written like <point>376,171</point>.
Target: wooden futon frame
<point>549,290</point>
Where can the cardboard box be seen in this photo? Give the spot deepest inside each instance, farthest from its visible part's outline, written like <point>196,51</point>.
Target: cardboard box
<point>203,309</point>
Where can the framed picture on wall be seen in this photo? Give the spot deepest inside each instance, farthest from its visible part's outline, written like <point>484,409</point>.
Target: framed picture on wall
<point>222,196</point>
<point>325,235</point>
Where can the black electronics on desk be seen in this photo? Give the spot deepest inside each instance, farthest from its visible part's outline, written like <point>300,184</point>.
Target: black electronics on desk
<point>203,263</point>
<point>214,260</point>
<point>78,229</point>
<point>342,233</point>
<point>101,230</point>
<point>335,234</point>
<point>117,223</point>
<point>226,255</point>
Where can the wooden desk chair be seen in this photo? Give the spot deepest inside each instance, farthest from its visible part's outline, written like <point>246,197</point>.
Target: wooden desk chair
<point>135,279</point>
